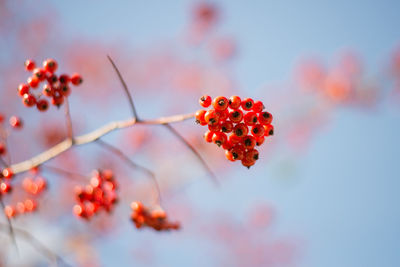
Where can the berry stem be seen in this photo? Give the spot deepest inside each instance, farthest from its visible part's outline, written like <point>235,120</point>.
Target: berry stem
<point>128,94</point>
<point>195,152</point>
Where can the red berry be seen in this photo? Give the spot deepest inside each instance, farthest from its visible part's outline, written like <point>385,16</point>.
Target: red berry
<point>258,130</point>
<point>10,211</point>
<point>227,127</point>
<point>249,142</point>
<point>15,122</point>
<point>39,73</point>
<point>57,99</point>
<point>5,187</point>
<point>23,89</point>
<point>247,104</point>
<point>64,78</point>
<point>208,136</point>
<point>234,102</point>
<point>251,154</point>
<point>250,118</point>
<point>269,130</point>
<point>227,145</point>
<point>260,140</point>
<point>205,101</point>
<point>248,163</point>
<point>236,116</point>
<point>240,130</point>
<point>76,79</point>
<point>223,115</point>
<point>265,118</point>
<point>211,117</point>
<point>1,118</point>
<point>42,105</point>
<point>29,100</point>
<point>233,139</point>
<point>220,103</point>
<point>200,117</point>
<point>258,106</point>
<point>65,90</point>
<point>47,90</point>
<point>235,153</point>
<point>30,65</point>
<point>3,149</point>
<point>52,78</point>
<point>50,65</point>
<point>214,128</point>
<point>7,173</point>
<point>219,138</point>
<point>33,81</point>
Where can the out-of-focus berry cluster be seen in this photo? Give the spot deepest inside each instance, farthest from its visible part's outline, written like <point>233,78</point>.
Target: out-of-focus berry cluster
<point>236,125</point>
<point>156,219</point>
<point>100,194</point>
<point>55,87</point>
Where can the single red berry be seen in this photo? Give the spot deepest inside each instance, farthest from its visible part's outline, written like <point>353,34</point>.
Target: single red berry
<point>39,73</point>
<point>15,122</point>
<point>33,81</point>
<point>42,105</point>
<point>233,139</point>
<point>200,117</point>
<point>247,104</point>
<point>227,145</point>
<point>258,130</point>
<point>269,130</point>
<point>223,115</point>
<point>47,90</point>
<point>211,117</point>
<point>240,130</point>
<point>260,140</point>
<point>7,173</point>
<point>23,89</point>
<point>50,65</point>
<point>30,205</point>
<point>235,153</point>
<point>29,100</point>
<point>3,149</point>
<point>250,118</point>
<point>220,103</point>
<point>258,106</point>
<point>30,65</point>
<point>251,154</point>
<point>57,99</point>
<point>64,78</point>
<point>5,188</point>
<point>137,206</point>
<point>205,101</point>
<point>208,136</point>
<point>229,155</point>
<point>219,138</point>
<point>65,90</point>
<point>10,211</point>
<point>227,127</point>
<point>249,142</point>
<point>76,79</point>
<point>234,102</point>
<point>248,163</point>
<point>236,116</point>
<point>52,78</point>
<point>214,128</point>
<point>1,118</point>
<point>265,118</point>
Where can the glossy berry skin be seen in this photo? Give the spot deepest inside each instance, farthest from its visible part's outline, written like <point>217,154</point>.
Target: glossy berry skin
<point>227,127</point>
<point>205,101</point>
<point>64,78</point>
<point>47,90</point>
<point>236,116</point>
<point>234,102</point>
<point>223,115</point>
<point>211,117</point>
<point>29,65</point>
<point>208,136</point>
<point>219,138</point>
<point>249,142</point>
<point>240,130</point>
<point>50,65</point>
<point>234,139</point>
<point>15,122</point>
<point>252,154</point>
<point>260,140</point>
<point>269,130</point>
<point>258,130</point>
<point>29,100</point>
<point>235,153</point>
<point>33,81</point>
<point>65,90</point>
<point>199,116</point>
<point>76,79</point>
<point>265,118</point>
<point>250,118</point>
<point>258,106</point>
<point>247,104</point>
<point>42,105</point>
<point>40,74</point>
<point>214,128</point>
<point>248,163</point>
<point>220,103</point>
<point>23,89</point>
<point>7,173</point>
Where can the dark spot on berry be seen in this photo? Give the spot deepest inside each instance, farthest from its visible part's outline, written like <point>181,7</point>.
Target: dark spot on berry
<point>266,115</point>
<point>236,114</point>
<point>255,119</point>
<point>235,155</point>
<point>218,143</point>
<point>255,130</point>
<point>271,132</point>
<point>224,129</point>
<point>239,132</point>
<point>248,104</point>
<point>247,142</point>
<point>255,157</point>
<point>221,102</point>
<point>203,99</point>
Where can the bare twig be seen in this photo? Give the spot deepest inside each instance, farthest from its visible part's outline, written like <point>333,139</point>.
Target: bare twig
<point>128,94</point>
<point>64,172</point>
<point>88,138</point>
<point>68,120</point>
<point>195,152</point>
<point>36,244</point>
<point>9,225</point>
<point>133,164</point>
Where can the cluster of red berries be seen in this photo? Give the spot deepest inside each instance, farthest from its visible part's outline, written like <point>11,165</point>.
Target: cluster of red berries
<point>99,194</point>
<point>237,125</point>
<point>56,88</point>
<point>156,219</point>
<point>34,186</point>
<point>22,207</point>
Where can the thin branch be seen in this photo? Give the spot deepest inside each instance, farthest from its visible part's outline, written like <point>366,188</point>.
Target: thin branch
<point>39,246</point>
<point>195,152</point>
<point>9,225</point>
<point>128,94</point>
<point>68,120</point>
<point>88,138</point>
<point>127,160</point>
<point>3,162</point>
<point>69,174</point>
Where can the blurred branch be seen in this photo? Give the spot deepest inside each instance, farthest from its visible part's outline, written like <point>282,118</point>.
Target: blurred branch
<point>9,224</point>
<point>35,243</point>
<point>131,163</point>
<point>88,138</point>
<point>69,174</point>
<point>68,120</point>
